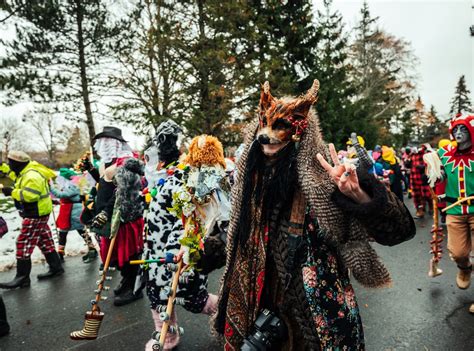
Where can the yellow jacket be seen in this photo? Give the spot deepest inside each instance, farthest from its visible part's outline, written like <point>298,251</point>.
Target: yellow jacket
<point>32,190</point>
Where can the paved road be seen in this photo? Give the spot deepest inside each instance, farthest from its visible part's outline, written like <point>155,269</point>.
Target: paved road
<point>417,313</point>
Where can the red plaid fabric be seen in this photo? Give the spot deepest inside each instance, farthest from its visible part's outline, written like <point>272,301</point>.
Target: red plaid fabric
<point>34,232</point>
<point>421,193</point>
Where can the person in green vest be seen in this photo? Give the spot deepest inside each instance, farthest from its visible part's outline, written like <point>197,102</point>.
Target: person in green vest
<point>457,161</point>
<point>33,200</point>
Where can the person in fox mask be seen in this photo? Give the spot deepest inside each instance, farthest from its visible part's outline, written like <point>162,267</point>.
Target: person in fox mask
<point>32,198</point>
<point>298,224</point>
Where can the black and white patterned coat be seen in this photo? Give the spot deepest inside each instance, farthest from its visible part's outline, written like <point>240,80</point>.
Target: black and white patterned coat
<point>164,232</point>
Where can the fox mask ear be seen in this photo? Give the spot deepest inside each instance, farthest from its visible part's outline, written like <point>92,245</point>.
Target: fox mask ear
<point>266,98</point>
<point>304,103</point>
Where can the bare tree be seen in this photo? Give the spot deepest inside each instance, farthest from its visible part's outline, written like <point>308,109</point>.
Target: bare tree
<point>51,130</point>
<point>12,134</point>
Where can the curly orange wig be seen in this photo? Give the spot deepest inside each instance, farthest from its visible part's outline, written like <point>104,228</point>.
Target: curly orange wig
<point>205,150</point>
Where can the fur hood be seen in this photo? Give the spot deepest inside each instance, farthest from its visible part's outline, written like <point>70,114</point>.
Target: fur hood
<point>343,232</point>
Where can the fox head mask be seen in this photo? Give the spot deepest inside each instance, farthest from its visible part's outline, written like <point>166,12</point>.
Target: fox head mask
<point>282,121</point>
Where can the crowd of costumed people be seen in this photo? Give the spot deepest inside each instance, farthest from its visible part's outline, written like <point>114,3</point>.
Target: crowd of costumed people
<point>285,219</point>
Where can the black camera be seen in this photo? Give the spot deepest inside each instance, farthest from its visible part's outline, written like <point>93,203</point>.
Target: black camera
<point>268,330</point>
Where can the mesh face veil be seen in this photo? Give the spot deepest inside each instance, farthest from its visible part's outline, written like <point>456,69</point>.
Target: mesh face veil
<point>109,148</point>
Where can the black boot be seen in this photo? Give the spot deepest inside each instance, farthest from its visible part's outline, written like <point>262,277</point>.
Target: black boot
<point>90,257</point>
<point>22,278</point>
<point>4,326</point>
<point>124,291</point>
<point>127,297</point>
<point>55,267</point>
<point>120,288</point>
<point>128,273</point>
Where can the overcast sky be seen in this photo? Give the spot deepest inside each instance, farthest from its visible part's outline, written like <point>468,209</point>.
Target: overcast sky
<point>440,38</point>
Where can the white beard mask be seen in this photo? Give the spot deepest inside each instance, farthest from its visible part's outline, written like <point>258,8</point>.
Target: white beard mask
<point>152,160</point>
<point>109,148</point>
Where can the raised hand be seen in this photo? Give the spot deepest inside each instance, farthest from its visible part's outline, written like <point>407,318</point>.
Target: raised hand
<point>100,220</point>
<point>344,176</point>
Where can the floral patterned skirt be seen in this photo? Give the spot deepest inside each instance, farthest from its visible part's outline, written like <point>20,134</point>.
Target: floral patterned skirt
<point>331,298</point>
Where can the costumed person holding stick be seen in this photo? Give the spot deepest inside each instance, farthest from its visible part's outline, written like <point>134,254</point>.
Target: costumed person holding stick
<point>32,199</point>
<point>205,162</point>
<point>298,225</point>
<point>69,213</point>
<point>126,196</point>
<point>115,153</point>
<point>458,163</point>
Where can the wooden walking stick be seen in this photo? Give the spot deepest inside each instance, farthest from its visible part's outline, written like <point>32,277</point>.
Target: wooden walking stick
<point>93,318</point>
<point>459,202</point>
<point>166,316</point>
<point>433,172</point>
<point>436,239</point>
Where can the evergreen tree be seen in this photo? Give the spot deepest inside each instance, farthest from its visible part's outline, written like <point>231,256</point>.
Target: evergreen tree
<point>76,146</point>
<point>273,40</point>
<point>58,55</point>
<point>334,106</point>
<point>381,72</point>
<point>461,101</point>
<point>192,62</point>
<point>420,121</point>
<point>436,129</point>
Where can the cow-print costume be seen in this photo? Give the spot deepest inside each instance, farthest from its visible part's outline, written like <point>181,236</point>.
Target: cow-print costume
<point>164,233</point>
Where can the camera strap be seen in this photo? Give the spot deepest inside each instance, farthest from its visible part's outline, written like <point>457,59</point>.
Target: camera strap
<point>295,230</point>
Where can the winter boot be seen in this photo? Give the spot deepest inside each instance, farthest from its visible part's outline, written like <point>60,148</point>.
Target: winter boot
<point>128,273</point>
<point>91,256</point>
<point>22,278</point>
<point>120,288</point>
<point>55,267</point>
<point>463,278</point>
<point>4,326</point>
<point>124,291</point>
<point>420,213</point>
<point>127,297</point>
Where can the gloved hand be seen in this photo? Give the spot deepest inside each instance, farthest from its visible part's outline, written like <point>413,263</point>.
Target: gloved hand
<point>100,220</point>
<point>7,190</point>
<point>84,164</point>
<point>4,168</point>
<point>55,201</point>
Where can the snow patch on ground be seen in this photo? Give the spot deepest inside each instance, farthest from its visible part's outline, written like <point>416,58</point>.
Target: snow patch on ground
<point>75,244</point>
